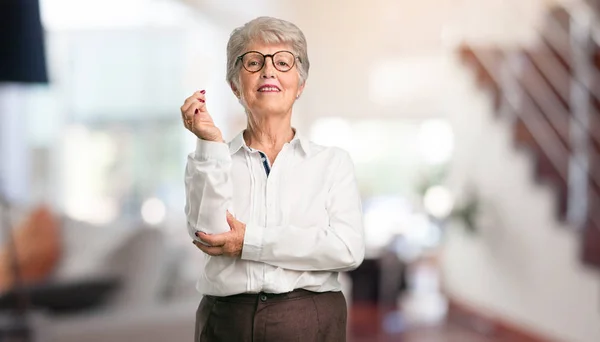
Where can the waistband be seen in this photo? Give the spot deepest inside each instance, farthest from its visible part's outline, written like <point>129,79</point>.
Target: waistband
<point>265,296</point>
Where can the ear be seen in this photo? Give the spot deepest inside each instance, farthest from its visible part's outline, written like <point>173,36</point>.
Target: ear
<point>300,89</point>
<point>235,90</point>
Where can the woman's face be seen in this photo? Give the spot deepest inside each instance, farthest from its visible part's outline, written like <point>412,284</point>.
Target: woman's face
<point>269,91</point>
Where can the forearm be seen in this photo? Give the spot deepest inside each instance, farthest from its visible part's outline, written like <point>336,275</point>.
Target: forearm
<point>306,249</point>
<point>208,188</point>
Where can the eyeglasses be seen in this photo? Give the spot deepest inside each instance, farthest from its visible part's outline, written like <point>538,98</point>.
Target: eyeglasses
<point>254,61</point>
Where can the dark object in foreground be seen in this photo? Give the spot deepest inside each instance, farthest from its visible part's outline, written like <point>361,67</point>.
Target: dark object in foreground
<point>63,297</point>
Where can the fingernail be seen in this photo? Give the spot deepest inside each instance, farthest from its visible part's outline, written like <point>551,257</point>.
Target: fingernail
<point>196,111</point>
<point>201,100</point>
<point>197,234</point>
<point>202,91</point>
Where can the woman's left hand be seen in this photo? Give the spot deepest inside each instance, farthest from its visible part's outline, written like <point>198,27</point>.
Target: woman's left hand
<point>228,244</point>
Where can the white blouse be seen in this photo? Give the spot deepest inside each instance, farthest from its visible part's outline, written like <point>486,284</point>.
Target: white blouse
<point>303,218</point>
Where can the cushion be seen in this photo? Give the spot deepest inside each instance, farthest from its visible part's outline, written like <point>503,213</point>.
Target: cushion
<point>38,246</point>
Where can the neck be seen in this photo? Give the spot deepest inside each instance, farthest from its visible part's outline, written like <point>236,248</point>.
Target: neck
<point>269,133</point>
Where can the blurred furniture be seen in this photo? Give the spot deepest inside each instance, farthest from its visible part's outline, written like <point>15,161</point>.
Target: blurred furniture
<point>115,283</point>
<point>29,253</point>
<point>33,250</point>
<point>377,285</point>
<point>138,310</point>
<point>63,297</point>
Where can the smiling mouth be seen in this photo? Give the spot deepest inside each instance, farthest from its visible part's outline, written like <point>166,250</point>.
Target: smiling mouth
<point>268,89</point>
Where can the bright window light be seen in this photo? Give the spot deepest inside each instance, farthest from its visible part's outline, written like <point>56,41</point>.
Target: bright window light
<point>392,82</point>
<point>153,211</point>
<point>436,141</point>
<point>332,131</point>
<point>98,14</point>
<point>84,175</point>
<point>438,201</point>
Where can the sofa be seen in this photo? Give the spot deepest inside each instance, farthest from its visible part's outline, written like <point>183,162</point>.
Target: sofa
<point>153,297</point>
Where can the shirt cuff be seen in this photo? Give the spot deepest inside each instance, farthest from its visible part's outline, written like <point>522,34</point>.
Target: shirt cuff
<point>253,242</point>
<point>207,150</point>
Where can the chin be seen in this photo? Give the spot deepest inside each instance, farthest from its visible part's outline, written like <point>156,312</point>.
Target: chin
<point>272,107</point>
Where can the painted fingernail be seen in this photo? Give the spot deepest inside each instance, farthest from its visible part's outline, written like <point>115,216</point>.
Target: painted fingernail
<point>197,234</point>
<point>201,100</point>
<point>202,91</point>
<point>196,111</point>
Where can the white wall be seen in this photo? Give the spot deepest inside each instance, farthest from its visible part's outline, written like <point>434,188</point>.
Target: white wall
<point>524,264</point>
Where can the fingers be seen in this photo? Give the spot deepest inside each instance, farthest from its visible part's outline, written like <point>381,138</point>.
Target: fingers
<point>213,251</point>
<point>197,97</point>
<point>234,224</point>
<point>188,103</point>
<point>191,117</point>
<point>194,108</point>
<point>230,220</point>
<point>194,103</point>
<point>217,240</point>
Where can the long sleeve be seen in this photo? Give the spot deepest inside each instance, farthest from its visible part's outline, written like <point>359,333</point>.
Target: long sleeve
<point>208,188</point>
<point>339,246</point>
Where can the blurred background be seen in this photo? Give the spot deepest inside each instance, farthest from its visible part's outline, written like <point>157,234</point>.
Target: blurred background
<point>473,124</point>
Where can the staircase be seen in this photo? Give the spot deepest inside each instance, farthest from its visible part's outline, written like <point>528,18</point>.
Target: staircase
<point>550,93</point>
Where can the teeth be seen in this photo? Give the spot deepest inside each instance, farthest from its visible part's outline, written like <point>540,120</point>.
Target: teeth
<point>268,89</point>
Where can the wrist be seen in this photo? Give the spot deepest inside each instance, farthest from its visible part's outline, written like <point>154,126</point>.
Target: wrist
<point>218,139</point>
<point>212,150</point>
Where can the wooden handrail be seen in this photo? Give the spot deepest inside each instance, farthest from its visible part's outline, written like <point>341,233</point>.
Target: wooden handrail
<point>556,111</point>
<point>573,84</point>
<point>556,73</point>
<point>541,94</point>
<point>552,69</point>
<point>537,124</point>
<point>539,127</point>
<point>555,40</point>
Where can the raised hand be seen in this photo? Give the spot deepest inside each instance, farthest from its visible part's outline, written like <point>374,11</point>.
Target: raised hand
<point>197,119</point>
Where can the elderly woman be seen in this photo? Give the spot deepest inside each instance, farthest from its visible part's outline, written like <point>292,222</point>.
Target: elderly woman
<point>277,216</point>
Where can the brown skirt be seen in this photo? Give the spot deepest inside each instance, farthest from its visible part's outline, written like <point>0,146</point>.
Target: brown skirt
<point>300,315</point>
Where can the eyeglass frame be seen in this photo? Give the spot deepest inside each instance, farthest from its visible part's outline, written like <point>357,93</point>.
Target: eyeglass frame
<point>241,57</point>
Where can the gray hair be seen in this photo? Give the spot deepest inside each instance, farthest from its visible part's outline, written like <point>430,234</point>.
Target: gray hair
<point>266,30</point>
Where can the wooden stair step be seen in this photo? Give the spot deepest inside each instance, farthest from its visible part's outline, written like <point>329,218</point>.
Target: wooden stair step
<point>558,82</point>
<point>546,83</point>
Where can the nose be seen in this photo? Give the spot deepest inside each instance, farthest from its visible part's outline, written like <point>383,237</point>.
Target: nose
<point>268,70</point>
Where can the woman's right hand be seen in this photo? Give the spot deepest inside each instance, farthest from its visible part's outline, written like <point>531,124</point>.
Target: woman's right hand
<point>197,119</point>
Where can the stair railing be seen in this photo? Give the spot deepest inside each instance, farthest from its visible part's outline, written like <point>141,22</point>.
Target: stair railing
<point>544,122</point>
